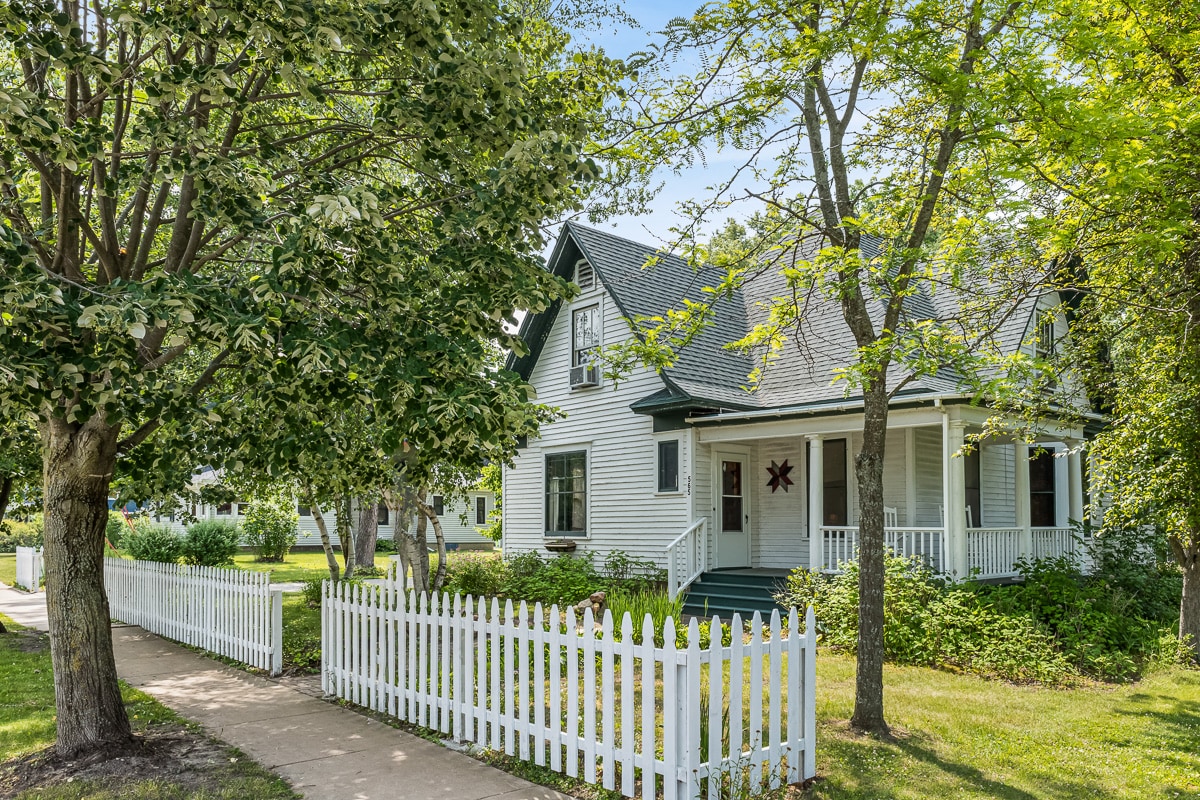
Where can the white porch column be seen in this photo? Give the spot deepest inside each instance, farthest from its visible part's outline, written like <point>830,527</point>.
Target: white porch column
<point>816,500</point>
<point>910,477</point>
<point>1074,483</point>
<point>956,502</point>
<point>1021,496</point>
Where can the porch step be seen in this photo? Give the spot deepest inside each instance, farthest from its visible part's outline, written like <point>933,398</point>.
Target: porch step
<point>726,592</point>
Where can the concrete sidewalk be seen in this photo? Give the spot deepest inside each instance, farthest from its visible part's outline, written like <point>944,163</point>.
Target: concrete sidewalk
<point>323,751</point>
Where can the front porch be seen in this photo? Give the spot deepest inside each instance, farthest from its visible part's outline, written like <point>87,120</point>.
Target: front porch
<point>783,494</point>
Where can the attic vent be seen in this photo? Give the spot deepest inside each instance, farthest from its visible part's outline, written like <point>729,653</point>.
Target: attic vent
<point>584,276</point>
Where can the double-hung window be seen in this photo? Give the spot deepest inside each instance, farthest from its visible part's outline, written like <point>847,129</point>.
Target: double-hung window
<point>481,511</point>
<point>1046,346</point>
<point>585,337</point>
<point>566,493</point>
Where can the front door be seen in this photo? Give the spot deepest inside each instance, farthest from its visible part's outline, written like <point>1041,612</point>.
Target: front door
<point>732,511</point>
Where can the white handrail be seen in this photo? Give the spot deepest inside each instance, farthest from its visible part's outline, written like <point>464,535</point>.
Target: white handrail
<point>692,545</point>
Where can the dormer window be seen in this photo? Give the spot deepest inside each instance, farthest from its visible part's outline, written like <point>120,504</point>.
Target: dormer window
<point>1046,346</point>
<point>585,277</point>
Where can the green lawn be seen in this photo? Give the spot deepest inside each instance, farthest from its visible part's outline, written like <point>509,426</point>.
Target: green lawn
<point>296,567</point>
<point>8,568</point>
<point>27,725</point>
<point>964,737</point>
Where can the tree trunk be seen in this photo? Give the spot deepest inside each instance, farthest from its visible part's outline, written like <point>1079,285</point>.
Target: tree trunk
<point>78,464</point>
<point>868,688</point>
<point>366,535</point>
<point>5,493</point>
<point>420,548</point>
<point>345,529</point>
<point>440,578</point>
<point>335,570</point>
<point>1188,556</point>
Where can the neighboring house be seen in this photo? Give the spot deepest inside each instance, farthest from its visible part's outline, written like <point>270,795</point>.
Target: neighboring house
<point>692,470</point>
<point>461,519</point>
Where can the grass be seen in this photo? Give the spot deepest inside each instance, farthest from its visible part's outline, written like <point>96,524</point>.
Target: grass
<point>296,567</point>
<point>8,568</point>
<point>27,726</point>
<point>966,737</point>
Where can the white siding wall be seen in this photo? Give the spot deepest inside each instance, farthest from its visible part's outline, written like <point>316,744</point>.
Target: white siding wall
<point>928,442</point>
<point>780,527</point>
<point>456,531</point>
<point>624,510</point>
<point>997,471</point>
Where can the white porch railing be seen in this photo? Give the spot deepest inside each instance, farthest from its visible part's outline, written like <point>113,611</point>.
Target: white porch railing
<point>687,557</point>
<point>991,552</point>
<point>840,543</point>
<point>29,568</point>
<point>1055,542</point>
<point>574,696</point>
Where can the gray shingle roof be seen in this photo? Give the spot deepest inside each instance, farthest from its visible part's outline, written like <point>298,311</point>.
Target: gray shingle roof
<point>645,282</point>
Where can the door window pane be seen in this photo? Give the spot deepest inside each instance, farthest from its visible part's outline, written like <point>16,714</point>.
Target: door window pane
<point>974,488</point>
<point>731,496</point>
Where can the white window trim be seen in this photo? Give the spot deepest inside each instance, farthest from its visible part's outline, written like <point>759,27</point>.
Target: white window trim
<point>682,473</point>
<point>586,447</point>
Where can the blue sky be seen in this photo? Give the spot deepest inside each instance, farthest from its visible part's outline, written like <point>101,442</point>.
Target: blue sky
<point>653,226</point>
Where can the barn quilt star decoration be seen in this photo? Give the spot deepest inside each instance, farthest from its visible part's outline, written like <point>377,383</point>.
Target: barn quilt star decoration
<point>779,475</point>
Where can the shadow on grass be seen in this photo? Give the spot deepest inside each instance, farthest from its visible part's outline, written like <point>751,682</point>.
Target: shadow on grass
<point>1170,729</point>
<point>910,766</point>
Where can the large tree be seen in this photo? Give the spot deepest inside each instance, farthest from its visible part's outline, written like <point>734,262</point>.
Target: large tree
<point>1112,149</point>
<point>203,204</point>
<point>847,122</point>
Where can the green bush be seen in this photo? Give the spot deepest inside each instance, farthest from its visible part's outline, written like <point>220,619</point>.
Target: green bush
<point>384,545</point>
<point>210,543</point>
<point>635,574</point>
<point>563,579</point>
<point>153,543</point>
<point>14,534</point>
<point>116,528</point>
<point>270,528</point>
<point>639,602</point>
<point>930,623</point>
<point>476,574</point>
<point>311,592</point>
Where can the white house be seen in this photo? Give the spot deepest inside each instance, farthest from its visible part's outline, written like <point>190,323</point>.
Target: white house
<point>690,469</point>
<point>461,519</point>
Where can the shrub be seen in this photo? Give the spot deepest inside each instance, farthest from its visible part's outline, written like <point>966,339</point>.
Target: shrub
<point>637,574</point>
<point>563,579</point>
<point>477,574</point>
<point>116,527</point>
<point>930,623</point>
<point>14,534</point>
<point>210,543</point>
<point>270,528</point>
<point>153,543</point>
<point>311,592</point>
<point>385,545</point>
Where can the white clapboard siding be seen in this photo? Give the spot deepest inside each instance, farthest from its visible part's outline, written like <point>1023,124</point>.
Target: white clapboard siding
<point>625,510</point>
<point>230,612</point>
<point>548,688</point>
<point>29,568</point>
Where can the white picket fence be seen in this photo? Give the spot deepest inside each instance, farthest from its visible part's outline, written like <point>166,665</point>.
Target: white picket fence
<point>231,612</point>
<point>562,692</point>
<point>29,568</point>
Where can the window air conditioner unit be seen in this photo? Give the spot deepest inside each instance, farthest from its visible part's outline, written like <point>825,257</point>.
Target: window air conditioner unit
<point>585,375</point>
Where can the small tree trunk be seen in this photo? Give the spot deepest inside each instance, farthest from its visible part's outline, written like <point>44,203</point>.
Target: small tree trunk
<point>5,493</point>
<point>1188,556</point>
<point>335,570</point>
<point>345,529</point>
<point>440,578</point>
<point>868,688</point>
<point>366,535</point>
<point>78,463</point>
<point>420,548</point>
